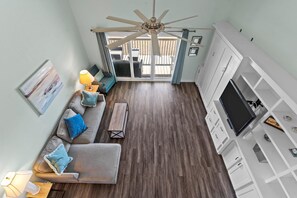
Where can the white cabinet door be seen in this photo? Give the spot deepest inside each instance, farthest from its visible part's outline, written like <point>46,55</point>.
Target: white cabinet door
<point>212,60</point>
<point>209,123</point>
<point>239,175</point>
<point>248,192</point>
<point>231,155</point>
<point>215,139</point>
<point>223,135</point>
<point>222,67</point>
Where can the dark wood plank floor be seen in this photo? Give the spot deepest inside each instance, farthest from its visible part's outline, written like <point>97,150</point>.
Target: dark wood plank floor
<point>167,151</point>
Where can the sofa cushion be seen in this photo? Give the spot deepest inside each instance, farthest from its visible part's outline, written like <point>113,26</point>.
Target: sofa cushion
<point>107,82</point>
<point>62,131</point>
<point>95,163</point>
<point>58,160</point>
<point>89,99</point>
<point>40,164</point>
<point>75,105</point>
<point>92,118</point>
<point>75,125</point>
<point>99,75</point>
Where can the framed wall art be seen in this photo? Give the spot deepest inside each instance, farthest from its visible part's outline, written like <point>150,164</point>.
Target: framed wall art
<point>41,88</point>
<point>196,40</point>
<point>272,122</point>
<point>193,51</point>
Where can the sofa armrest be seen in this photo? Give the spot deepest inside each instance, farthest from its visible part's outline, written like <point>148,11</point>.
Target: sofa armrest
<point>63,178</point>
<point>101,98</point>
<point>107,74</point>
<point>95,82</point>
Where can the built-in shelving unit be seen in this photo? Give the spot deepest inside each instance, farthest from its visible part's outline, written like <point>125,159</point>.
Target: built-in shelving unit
<point>279,174</point>
<point>258,77</point>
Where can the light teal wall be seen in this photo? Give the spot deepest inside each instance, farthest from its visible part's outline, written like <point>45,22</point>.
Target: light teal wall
<point>31,32</point>
<point>272,23</point>
<point>90,13</point>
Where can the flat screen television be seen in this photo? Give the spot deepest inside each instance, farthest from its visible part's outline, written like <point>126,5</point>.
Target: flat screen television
<point>238,111</point>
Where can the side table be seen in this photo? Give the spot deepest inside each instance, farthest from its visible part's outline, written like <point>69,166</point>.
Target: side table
<point>45,188</point>
<point>94,88</point>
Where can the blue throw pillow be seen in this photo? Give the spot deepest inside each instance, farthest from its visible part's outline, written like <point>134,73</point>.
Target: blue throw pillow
<point>89,99</point>
<point>58,160</point>
<point>75,125</point>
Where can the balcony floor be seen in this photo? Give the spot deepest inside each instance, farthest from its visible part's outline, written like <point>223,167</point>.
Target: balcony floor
<point>160,71</point>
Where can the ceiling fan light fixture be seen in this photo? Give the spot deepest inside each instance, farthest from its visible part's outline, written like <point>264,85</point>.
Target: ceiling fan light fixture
<point>152,26</point>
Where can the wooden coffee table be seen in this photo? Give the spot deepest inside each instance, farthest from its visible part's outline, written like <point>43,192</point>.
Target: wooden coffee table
<point>118,122</point>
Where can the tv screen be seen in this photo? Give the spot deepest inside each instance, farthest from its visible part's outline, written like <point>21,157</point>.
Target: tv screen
<point>236,107</point>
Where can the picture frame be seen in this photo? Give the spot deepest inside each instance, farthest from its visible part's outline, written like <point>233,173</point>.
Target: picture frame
<point>41,88</point>
<point>272,122</point>
<point>196,40</point>
<point>193,51</point>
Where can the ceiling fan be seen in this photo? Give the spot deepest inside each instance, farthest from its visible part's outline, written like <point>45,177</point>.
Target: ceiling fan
<point>152,26</point>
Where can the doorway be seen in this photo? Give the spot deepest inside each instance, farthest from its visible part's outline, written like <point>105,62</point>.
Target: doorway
<point>143,65</point>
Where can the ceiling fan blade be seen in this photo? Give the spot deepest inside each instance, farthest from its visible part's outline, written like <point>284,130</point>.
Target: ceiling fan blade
<point>155,44</point>
<point>181,20</point>
<point>140,15</point>
<point>123,20</point>
<point>114,29</point>
<point>154,8</point>
<point>162,16</point>
<point>197,45</point>
<point>125,40</point>
<point>189,28</point>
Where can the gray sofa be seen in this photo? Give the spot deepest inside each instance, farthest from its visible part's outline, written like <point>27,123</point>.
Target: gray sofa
<point>92,162</point>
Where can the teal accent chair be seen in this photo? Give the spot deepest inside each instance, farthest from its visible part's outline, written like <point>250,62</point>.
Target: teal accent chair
<point>106,83</point>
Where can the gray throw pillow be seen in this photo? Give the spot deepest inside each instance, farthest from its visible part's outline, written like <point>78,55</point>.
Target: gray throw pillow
<point>99,75</point>
<point>75,105</point>
<point>62,131</point>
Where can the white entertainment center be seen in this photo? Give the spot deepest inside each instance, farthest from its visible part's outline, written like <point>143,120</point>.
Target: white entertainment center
<point>232,56</point>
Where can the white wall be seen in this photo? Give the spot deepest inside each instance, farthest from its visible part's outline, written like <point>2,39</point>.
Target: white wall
<point>272,23</point>
<point>92,13</point>
<point>31,32</point>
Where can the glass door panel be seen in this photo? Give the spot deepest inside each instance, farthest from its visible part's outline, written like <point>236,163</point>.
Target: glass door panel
<point>164,63</point>
<point>141,53</point>
<point>143,63</point>
<point>120,59</point>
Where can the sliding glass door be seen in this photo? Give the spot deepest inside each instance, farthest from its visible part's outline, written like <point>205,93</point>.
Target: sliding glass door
<point>143,65</point>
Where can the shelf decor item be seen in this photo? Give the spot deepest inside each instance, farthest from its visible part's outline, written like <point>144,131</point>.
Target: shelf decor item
<point>293,152</point>
<point>259,154</point>
<point>196,40</point>
<point>267,138</point>
<point>294,129</point>
<point>41,88</point>
<point>287,118</point>
<point>272,122</point>
<point>193,51</point>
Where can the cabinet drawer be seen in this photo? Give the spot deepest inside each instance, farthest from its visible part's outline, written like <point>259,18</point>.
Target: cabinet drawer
<point>231,156</point>
<point>248,192</point>
<point>239,175</point>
